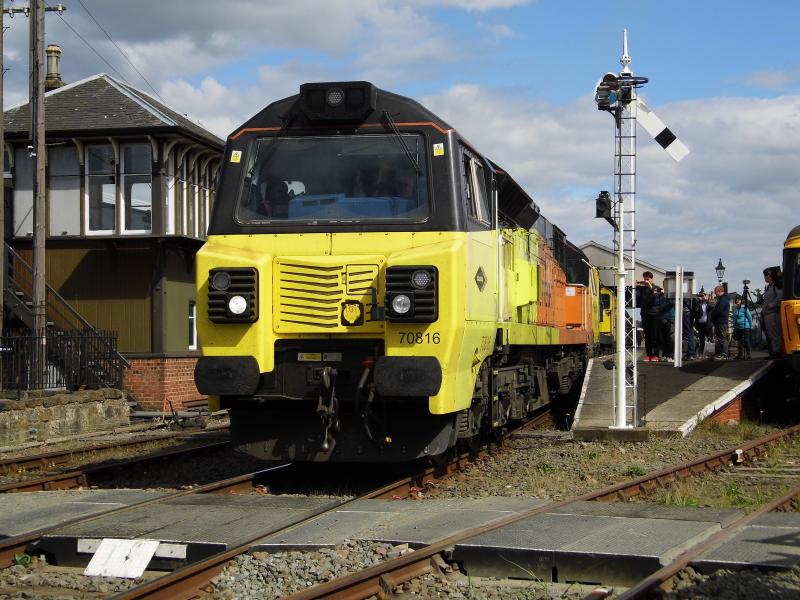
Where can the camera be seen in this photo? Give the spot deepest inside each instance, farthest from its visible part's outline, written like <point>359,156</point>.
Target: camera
<point>746,282</point>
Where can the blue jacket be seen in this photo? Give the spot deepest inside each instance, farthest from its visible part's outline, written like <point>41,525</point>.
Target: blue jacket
<point>721,311</point>
<point>666,308</point>
<point>742,319</point>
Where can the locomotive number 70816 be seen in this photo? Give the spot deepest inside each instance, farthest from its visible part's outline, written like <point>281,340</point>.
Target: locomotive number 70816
<point>412,338</point>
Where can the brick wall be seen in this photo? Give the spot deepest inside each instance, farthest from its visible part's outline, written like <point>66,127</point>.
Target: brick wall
<point>731,411</point>
<point>152,381</point>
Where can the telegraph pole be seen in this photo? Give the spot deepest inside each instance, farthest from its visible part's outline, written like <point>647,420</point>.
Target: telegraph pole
<point>3,189</point>
<point>35,11</point>
<point>37,147</point>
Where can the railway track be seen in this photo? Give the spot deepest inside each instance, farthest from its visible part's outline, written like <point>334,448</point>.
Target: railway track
<point>56,458</point>
<point>91,475</point>
<point>13,546</point>
<point>385,577</point>
<point>382,578</point>
<point>664,574</point>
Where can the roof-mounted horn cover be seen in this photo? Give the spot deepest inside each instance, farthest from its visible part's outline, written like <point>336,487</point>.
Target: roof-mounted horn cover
<point>338,101</point>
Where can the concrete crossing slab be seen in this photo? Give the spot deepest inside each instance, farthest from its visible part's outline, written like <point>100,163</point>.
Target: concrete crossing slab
<point>26,512</point>
<point>584,548</point>
<point>397,521</point>
<point>772,541</point>
<point>202,524</point>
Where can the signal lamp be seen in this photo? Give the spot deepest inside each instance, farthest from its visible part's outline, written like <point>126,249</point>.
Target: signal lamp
<point>603,206</point>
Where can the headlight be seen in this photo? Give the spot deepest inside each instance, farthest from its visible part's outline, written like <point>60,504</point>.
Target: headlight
<point>401,304</point>
<point>420,279</point>
<point>237,305</point>
<point>221,281</point>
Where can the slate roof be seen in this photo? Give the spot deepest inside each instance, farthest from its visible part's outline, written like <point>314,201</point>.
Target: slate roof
<point>103,104</point>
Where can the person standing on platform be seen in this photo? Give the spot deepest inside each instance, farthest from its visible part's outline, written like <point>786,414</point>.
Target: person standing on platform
<point>691,311</point>
<point>701,322</point>
<point>719,320</point>
<point>742,324</point>
<point>667,325</point>
<point>646,301</point>
<point>771,311</point>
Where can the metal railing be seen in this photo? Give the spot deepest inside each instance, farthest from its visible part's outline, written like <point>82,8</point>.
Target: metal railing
<point>59,360</point>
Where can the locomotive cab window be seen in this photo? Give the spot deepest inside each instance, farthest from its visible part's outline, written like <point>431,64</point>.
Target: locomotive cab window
<point>791,274</point>
<point>474,187</point>
<point>344,179</point>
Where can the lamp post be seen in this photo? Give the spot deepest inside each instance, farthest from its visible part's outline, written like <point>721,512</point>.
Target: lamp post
<point>720,269</point>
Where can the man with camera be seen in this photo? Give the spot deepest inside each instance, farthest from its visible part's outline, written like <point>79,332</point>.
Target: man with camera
<point>719,320</point>
<point>647,294</point>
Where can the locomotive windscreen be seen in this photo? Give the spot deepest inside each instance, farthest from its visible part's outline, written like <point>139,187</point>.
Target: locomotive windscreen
<point>335,178</point>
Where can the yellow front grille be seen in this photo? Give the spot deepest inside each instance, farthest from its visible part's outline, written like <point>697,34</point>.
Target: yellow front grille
<point>309,293</point>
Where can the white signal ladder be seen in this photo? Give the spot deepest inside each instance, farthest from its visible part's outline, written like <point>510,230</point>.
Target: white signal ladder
<point>625,199</point>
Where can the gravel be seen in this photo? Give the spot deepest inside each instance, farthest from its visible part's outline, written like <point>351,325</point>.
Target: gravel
<point>28,581</point>
<point>274,575</point>
<point>735,585</point>
<point>559,468</point>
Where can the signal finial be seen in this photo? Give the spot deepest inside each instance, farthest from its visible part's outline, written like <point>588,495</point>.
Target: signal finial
<point>625,61</point>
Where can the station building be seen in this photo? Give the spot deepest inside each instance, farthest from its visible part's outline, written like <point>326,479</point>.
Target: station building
<point>603,256</point>
<point>130,184</point>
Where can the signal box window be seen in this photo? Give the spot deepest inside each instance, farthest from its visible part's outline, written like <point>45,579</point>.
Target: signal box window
<point>101,189</point>
<point>137,194</point>
<point>335,179</point>
<point>192,325</point>
<point>474,187</point>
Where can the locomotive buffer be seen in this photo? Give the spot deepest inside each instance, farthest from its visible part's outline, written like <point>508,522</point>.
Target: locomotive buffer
<point>616,94</point>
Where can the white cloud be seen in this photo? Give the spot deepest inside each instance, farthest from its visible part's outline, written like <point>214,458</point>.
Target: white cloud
<point>500,30</point>
<point>775,80</point>
<point>475,5</point>
<point>734,196</point>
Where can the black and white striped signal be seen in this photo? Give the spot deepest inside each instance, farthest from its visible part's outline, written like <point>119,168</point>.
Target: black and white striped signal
<point>613,92</point>
<point>660,132</point>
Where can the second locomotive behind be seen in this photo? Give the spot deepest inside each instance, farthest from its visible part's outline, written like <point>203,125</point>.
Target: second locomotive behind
<point>373,288</point>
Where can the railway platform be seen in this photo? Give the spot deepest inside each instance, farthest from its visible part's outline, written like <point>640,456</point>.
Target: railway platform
<point>671,400</point>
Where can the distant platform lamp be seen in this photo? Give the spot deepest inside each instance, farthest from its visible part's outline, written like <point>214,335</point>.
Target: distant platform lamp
<point>720,269</point>
<point>616,94</point>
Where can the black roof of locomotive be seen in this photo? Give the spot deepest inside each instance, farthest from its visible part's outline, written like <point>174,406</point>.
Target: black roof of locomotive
<point>402,110</point>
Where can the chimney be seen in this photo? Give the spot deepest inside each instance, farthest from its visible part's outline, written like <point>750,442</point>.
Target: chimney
<point>53,80</point>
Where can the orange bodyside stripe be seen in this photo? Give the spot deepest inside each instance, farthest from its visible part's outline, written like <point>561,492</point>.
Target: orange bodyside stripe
<point>419,124</point>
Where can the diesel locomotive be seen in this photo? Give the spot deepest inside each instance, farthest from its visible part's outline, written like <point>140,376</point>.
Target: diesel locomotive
<point>374,288</point>
<point>790,306</point>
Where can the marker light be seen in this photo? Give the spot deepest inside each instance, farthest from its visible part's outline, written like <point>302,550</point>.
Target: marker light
<point>237,305</point>
<point>420,279</point>
<point>221,281</point>
<point>334,97</point>
<point>401,304</point>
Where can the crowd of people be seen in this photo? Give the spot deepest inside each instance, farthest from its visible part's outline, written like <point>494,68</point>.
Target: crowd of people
<point>706,321</point>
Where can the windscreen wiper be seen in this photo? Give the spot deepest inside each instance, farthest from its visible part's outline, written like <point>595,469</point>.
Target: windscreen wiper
<point>396,131</point>
<point>271,145</point>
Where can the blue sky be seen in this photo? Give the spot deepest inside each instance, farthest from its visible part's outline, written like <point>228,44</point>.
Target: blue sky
<point>516,77</point>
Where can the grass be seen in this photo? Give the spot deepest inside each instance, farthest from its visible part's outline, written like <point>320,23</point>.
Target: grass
<point>745,430</point>
<point>634,471</point>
